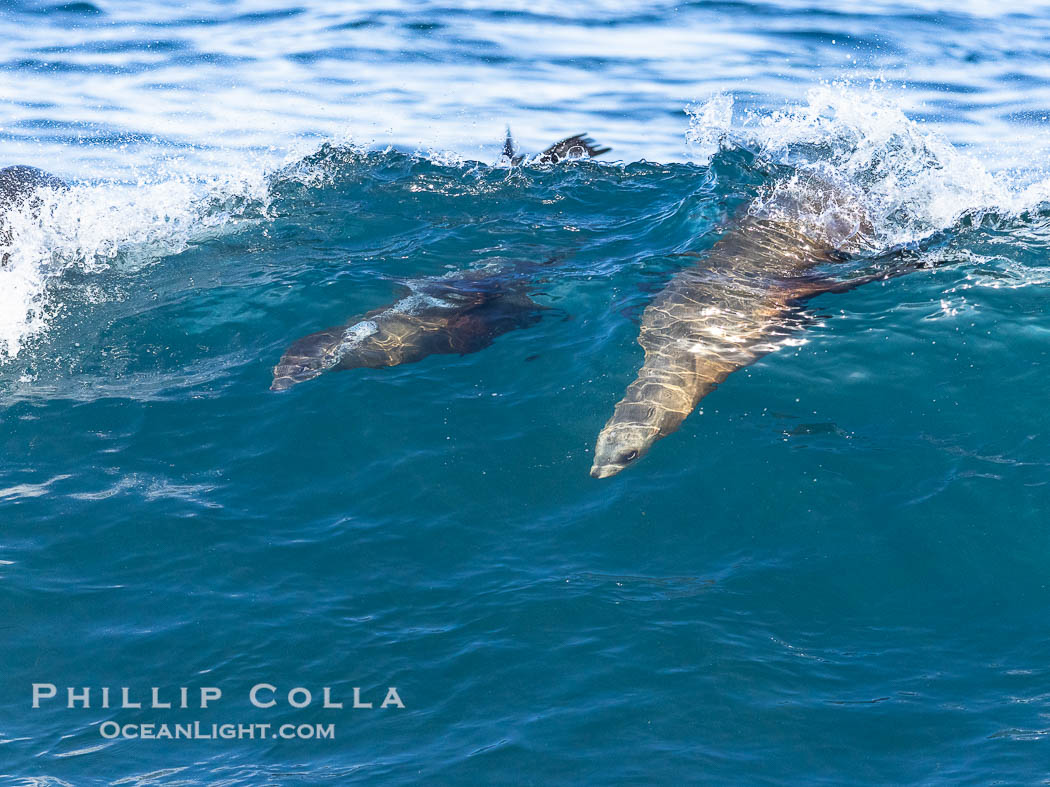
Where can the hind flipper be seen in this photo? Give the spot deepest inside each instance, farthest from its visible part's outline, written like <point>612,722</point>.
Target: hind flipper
<point>509,155</point>
<point>578,146</point>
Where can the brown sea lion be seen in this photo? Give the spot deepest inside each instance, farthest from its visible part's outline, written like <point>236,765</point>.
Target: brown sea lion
<point>729,309</point>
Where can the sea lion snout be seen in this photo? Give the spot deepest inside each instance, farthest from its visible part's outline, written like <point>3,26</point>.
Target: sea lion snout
<point>307,358</point>
<point>604,471</point>
<point>619,445</point>
<point>282,383</point>
<point>293,370</point>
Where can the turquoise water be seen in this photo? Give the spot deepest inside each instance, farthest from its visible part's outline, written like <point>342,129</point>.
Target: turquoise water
<point>834,571</point>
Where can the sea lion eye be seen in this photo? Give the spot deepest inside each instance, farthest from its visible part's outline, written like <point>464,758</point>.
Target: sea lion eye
<point>630,456</point>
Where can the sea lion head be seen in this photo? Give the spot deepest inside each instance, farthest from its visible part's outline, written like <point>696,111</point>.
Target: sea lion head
<point>653,406</point>
<point>292,370</point>
<point>362,344</point>
<point>621,443</point>
<point>308,358</point>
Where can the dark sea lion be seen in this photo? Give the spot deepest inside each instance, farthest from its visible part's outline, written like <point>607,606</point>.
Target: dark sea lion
<point>438,316</point>
<point>19,185</point>
<point>458,314</point>
<point>726,311</point>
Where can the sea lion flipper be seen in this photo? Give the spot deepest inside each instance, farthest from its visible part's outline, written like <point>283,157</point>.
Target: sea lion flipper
<point>576,146</point>
<point>818,285</point>
<point>475,328</point>
<point>509,156</point>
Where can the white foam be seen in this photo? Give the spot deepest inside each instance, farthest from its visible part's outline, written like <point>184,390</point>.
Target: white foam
<point>357,333</point>
<point>709,125</point>
<point>93,228</point>
<point>353,336</point>
<point>910,180</point>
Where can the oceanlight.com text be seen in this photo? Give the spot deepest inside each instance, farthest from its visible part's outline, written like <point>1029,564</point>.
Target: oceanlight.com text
<point>198,731</point>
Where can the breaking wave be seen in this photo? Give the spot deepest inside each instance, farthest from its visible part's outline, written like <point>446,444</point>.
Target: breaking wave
<point>911,180</point>
<point>908,181</point>
<point>90,228</point>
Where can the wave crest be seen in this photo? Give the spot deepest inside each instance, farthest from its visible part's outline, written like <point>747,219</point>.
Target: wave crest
<point>912,181</point>
<point>92,228</point>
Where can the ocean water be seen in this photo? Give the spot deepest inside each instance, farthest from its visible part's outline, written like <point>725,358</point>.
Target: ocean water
<point>835,571</point>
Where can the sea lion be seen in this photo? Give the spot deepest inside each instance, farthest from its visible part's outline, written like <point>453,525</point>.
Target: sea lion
<point>460,314</point>
<point>19,185</point>
<point>728,310</point>
<point>451,314</point>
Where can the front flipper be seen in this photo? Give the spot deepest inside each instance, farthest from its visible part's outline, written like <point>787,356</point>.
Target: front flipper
<point>476,328</point>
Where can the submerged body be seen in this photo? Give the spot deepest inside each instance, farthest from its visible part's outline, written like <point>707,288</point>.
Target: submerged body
<point>715,317</point>
<point>439,316</point>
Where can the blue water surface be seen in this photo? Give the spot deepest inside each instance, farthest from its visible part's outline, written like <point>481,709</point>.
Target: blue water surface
<point>835,571</point>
